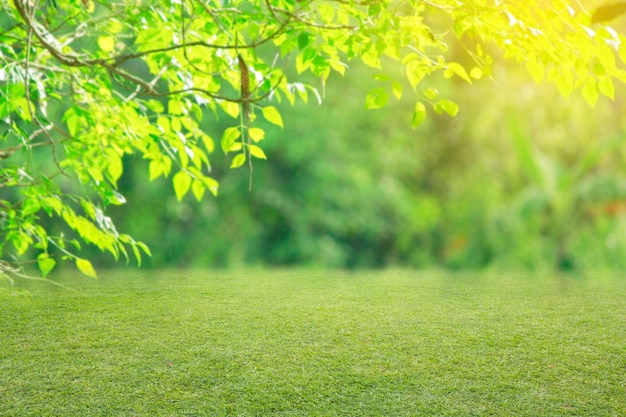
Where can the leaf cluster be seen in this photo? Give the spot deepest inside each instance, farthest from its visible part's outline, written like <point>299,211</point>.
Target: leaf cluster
<point>86,84</point>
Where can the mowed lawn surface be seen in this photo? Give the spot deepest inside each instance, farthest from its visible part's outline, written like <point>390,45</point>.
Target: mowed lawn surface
<point>302,343</point>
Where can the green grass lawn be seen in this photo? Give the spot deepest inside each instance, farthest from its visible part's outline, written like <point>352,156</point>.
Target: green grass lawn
<point>302,343</point>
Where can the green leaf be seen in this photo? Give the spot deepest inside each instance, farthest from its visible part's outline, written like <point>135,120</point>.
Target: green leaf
<point>419,114</point>
<point>304,59</point>
<point>338,66</point>
<point>114,165</point>
<point>272,115</point>
<point>476,73</point>
<point>73,122</point>
<point>165,124</point>
<point>376,99</point>
<point>606,87</point>
<point>238,160</point>
<point>198,189</point>
<point>144,248</point>
<point>237,146</point>
<point>565,82</point>
<point>590,91</point>
<point>176,107</point>
<point>536,70</point>
<point>396,88</point>
<point>431,93</point>
<point>256,134</point>
<point>211,184</point>
<point>229,137</point>
<point>21,241</point>
<point>114,26</point>
<point>327,12</point>
<point>415,72</point>
<point>46,264</point>
<point>446,106</point>
<point>371,58</point>
<point>257,152</point>
<point>53,202</point>
<point>106,43</point>
<point>31,206</point>
<point>182,182</point>
<point>155,169</point>
<point>303,40</point>
<point>459,70</point>
<point>208,143</point>
<point>230,108</point>
<point>86,268</point>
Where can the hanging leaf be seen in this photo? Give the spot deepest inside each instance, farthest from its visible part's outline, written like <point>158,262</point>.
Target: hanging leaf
<point>476,73</point>
<point>198,189</point>
<point>114,165</point>
<point>229,137</point>
<point>447,106</point>
<point>156,169</point>
<point>238,160</point>
<point>106,43</point>
<point>257,152</point>
<point>46,264</point>
<point>86,268</point>
<point>457,69</point>
<point>256,134</point>
<point>182,182</point>
<point>396,88</point>
<point>272,115</point>
<point>431,93</point>
<point>590,91</point>
<point>376,99</point>
<point>419,114</point>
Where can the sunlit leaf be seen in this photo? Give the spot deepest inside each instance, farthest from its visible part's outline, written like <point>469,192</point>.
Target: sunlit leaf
<point>114,165</point>
<point>396,88</point>
<point>476,73</point>
<point>229,137</point>
<point>197,187</point>
<point>30,206</point>
<point>86,268</point>
<point>272,115</point>
<point>376,99</point>
<point>238,160</point>
<point>46,264</point>
<point>182,182</point>
<point>416,73</point>
<point>155,169</point>
<point>257,152</point>
<point>447,106</point>
<point>256,134</point>
<point>606,87</point>
<point>459,70</point>
<point>208,143</point>
<point>303,40</point>
<point>419,114</point>
<point>590,91</point>
<point>431,93</point>
<point>106,43</point>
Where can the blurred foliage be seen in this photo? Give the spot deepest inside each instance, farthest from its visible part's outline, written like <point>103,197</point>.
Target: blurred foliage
<point>521,178</point>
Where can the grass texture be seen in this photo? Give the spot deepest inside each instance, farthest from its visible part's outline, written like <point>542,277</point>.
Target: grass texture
<point>303,343</point>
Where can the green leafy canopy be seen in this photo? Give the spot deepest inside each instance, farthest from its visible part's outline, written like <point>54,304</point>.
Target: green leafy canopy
<point>84,84</point>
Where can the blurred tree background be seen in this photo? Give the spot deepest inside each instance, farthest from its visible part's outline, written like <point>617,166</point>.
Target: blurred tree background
<point>521,178</point>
